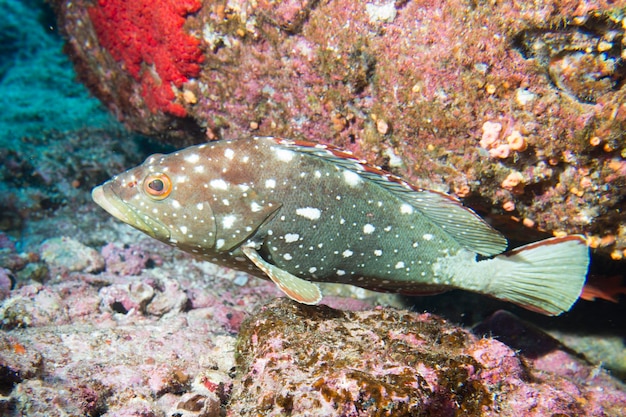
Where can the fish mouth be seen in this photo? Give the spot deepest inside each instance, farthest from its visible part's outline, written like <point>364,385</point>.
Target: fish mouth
<point>111,205</point>
<point>106,198</point>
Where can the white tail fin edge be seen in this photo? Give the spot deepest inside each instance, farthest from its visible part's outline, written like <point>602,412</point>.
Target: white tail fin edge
<point>546,276</point>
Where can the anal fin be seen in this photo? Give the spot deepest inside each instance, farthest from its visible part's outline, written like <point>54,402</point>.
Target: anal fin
<point>297,289</point>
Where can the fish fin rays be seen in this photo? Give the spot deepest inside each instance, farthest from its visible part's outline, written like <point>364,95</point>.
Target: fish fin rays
<point>546,276</point>
<point>452,217</point>
<point>235,226</point>
<point>297,289</point>
<point>458,221</point>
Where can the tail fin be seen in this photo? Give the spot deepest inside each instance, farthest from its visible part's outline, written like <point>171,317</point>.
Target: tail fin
<point>546,276</point>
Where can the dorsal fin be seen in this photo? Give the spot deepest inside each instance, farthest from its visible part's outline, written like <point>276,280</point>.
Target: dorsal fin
<point>458,221</point>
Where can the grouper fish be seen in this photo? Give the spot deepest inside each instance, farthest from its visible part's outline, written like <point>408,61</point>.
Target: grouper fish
<point>299,213</point>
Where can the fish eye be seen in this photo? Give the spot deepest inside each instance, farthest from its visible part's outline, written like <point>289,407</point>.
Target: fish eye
<point>158,186</point>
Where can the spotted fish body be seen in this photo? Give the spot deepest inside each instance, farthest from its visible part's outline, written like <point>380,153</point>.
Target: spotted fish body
<point>300,213</point>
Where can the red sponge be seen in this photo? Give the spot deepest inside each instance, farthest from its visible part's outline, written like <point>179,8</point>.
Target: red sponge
<point>147,36</point>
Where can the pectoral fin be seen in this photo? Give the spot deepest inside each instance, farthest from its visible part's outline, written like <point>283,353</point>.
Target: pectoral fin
<point>236,223</point>
<point>297,289</point>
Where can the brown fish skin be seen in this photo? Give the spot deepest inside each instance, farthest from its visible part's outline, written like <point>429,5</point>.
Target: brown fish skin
<point>299,213</point>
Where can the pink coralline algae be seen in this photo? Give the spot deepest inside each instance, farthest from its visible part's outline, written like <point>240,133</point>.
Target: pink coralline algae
<point>396,363</point>
<point>128,260</point>
<point>95,342</point>
<point>66,254</point>
<point>5,283</point>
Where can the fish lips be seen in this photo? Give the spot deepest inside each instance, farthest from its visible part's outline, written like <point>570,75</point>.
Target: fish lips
<point>105,197</point>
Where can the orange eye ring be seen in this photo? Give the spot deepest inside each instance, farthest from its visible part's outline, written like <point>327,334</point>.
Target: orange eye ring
<point>158,186</point>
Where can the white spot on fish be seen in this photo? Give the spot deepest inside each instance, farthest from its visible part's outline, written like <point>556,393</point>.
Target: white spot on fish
<point>218,184</point>
<point>183,229</point>
<point>229,153</point>
<point>310,213</point>
<point>378,252</point>
<point>175,204</point>
<point>200,206</point>
<point>198,169</point>
<point>287,257</point>
<point>341,272</point>
<point>271,183</point>
<point>228,221</point>
<point>318,174</point>
<point>406,209</point>
<point>312,269</point>
<point>351,178</point>
<point>192,158</point>
<point>291,237</point>
<point>284,155</point>
<point>255,207</point>
<point>368,229</point>
<point>399,265</point>
<point>347,253</point>
<point>427,236</point>
<point>219,243</point>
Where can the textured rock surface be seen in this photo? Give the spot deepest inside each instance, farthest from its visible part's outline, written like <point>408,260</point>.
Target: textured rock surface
<point>104,343</point>
<point>517,107</point>
<point>316,361</point>
<point>86,356</point>
<point>95,338</point>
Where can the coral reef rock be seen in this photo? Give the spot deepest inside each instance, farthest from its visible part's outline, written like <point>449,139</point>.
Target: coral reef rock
<point>317,361</point>
<point>517,107</point>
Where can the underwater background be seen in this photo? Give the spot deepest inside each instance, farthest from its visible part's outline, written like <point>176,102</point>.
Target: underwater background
<point>98,319</point>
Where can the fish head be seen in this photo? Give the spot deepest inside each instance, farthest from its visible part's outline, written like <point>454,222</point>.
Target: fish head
<point>162,197</point>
